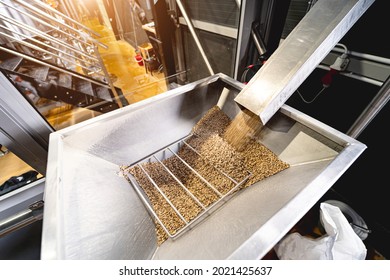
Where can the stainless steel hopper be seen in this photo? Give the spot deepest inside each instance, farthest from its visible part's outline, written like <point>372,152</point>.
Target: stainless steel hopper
<point>91,212</point>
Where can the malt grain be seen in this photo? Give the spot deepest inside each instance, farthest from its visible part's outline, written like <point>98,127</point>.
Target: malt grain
<point>220,145</point>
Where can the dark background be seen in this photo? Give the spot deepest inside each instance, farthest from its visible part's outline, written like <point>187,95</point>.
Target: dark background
<point>364,186</point>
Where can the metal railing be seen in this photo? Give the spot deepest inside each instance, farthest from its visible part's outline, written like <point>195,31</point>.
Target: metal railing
<point>38,33</point>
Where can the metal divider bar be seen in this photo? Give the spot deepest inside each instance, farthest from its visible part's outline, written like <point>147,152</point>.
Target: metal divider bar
<point>181,184</point>
<point>196,172</point>
<point>215,205</point>
<point>237,184</point>
<point>162,193</point>
<point>206,209</point>
<point>148,206</point>
<point>219,170</point>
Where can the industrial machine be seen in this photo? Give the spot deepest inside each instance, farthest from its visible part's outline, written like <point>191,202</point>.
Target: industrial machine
<point>92,212</point>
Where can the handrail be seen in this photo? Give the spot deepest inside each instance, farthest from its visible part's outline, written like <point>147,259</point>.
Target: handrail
<point>36,41</point>
<point>72,45</point>
<point>42,13</point>
<point>112,87</point>
<point>43,5</point>
<point>55,67</point>
<point>44,23</point>
<point>42,34</point>
<point>42,50</point>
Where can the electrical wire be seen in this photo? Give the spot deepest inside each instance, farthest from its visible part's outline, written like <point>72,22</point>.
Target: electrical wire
<point>254,68</point>
<point>314,98</point>
<point>244,74</point>
<point>344,47</point>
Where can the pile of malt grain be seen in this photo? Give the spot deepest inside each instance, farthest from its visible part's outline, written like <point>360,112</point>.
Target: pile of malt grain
<point>214,153</point>
<point>215,121</point>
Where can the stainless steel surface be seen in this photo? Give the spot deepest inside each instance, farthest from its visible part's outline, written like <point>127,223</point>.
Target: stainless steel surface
<point>24,218</point>
<point>375,106</point>
<point>20,199</point>
<point>91,212</point>
<point>299,54</point>
<point>258,41</point>
<point>161,155</point>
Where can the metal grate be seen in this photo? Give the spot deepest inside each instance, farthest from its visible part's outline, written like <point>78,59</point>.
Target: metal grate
<point>172,151</point>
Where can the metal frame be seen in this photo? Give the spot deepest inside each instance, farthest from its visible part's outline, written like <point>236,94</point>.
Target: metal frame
<point>198,25</point>
<point>42,22</point>
<point>188,224</point>
<point>47,7</point>
<point>364,65</point>
<point>28,138</point>
<point>33,213</point>
<point>195,36</point>
<point>375,106</point>
<point>213,28</point>
<point>91,64</point>
<point>74,74</point>
<point>20,199</point>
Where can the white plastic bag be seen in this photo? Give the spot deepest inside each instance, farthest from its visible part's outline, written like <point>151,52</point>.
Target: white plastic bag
<point>339,243</point>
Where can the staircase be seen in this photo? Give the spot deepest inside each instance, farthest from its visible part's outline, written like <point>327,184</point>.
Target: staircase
<point>49,56</point>
<point>48,82</point>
